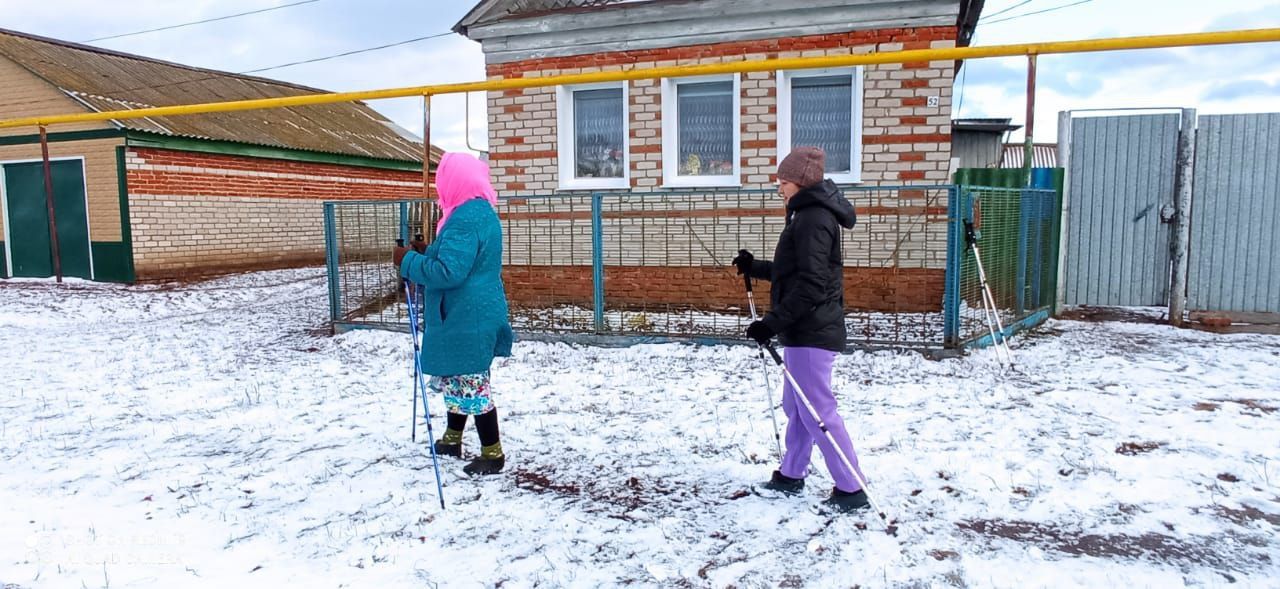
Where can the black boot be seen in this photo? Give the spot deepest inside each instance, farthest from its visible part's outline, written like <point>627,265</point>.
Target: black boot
<point>784,484</point>
<point>446,449</point>
<point>450,444</point>
<point>491,461</point>
<point>491,458</point>
<point>846,502</point>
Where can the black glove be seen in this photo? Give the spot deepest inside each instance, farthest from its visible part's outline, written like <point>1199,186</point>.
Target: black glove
<point>744,261</point>
<point>760,332</point>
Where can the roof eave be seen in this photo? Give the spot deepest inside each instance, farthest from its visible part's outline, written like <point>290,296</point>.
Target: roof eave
<point>172,141</point>
<point>481,9</point>
<point>967,22</point>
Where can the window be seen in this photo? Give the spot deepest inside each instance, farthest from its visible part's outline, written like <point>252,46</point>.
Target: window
<point>823,108</point>
<point>700,131</point>
<point>592,128</point>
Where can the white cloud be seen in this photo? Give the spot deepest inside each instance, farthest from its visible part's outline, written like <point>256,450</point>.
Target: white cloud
<point>1207,78</point>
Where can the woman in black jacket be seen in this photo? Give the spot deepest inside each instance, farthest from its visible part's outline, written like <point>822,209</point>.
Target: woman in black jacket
<point>807,314</point>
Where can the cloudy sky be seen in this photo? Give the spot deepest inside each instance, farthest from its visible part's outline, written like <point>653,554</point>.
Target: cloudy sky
<point>1215,80</point>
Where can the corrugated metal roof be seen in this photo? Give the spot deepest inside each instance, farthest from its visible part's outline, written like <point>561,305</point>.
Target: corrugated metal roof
<point>1043,155</point>
<point>104,80</point>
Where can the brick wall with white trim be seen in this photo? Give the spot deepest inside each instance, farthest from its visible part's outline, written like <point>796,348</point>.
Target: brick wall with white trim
<point>894,258</point>
<point>904,139</point>
<point>194,214</point>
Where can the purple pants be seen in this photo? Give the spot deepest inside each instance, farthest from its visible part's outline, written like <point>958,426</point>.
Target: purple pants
<point>811,368</point>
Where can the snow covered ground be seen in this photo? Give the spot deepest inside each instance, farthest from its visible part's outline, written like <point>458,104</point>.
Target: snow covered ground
<point>210,435</point>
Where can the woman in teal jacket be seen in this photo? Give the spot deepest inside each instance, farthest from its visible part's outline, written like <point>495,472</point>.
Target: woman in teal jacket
<point>465,307</point>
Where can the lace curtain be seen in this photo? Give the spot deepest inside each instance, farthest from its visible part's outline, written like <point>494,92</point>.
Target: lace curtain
<point>822,116</point>
<point>705,128</point>
<point>598,133</point>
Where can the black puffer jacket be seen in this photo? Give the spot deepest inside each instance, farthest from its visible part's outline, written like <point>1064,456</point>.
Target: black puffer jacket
<point>807,271</point>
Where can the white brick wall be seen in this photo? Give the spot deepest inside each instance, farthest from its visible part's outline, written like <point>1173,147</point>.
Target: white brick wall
<point>524,122</point>
<point>173,234</point>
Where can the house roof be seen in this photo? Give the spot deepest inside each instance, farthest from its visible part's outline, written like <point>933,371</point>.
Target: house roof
<point>491,11</point>
<point>984,125</point>
<point>970,12</point>
<point>1043,155</point>
<point>104,80</point>
<point>487,11</point>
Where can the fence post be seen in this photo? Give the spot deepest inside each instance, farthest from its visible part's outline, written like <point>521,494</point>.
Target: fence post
<point>955,252</point>
<point>1182,217</point>
<point>1038,260</point>
<point>597,259</point>
<point>331,261</point>
<point>404,222</point>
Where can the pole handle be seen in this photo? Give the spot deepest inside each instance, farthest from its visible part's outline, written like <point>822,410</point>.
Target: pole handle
<point>746,280</point>
<point>970,236</point>
<point>773,352</point>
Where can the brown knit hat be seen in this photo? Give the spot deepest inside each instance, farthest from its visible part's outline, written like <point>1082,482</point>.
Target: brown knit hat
<point>804,166</point>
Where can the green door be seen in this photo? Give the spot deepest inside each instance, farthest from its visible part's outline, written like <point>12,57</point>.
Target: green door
<point>27,217</point>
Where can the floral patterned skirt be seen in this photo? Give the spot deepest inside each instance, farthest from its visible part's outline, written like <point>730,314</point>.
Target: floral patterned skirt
<point>465,394</point>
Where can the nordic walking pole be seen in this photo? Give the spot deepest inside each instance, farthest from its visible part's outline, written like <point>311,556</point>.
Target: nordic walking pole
<point>823,426</point>
<point>412,421</point>
<point>764,365</point>
<point>989,309</point>
<point>413,428</point>
<point>971,240</point>
<point>422,386</point>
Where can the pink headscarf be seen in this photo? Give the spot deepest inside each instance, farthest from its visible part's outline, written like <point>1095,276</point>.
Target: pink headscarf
<point>461,177</point>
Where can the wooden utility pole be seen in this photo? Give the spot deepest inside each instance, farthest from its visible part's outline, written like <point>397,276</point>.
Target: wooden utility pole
<point>48,199</point>
<point>1028,149</point>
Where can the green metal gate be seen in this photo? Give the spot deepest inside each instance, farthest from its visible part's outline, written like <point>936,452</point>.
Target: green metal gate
<point>27,219</point>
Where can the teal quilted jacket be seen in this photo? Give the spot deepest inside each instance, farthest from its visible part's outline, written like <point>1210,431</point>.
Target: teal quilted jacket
<point>465,307</point>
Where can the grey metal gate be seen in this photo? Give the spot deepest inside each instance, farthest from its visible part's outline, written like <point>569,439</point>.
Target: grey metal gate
<point>1236,215</point>
<point>1120,177</point>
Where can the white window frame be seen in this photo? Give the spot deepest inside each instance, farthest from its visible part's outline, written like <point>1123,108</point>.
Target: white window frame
<point>784,78</point>
<point>671,177</point>
<point>566,151</point>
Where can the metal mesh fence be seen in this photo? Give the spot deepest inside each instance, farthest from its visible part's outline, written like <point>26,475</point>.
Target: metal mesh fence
<point>364,286</point>
<point>666,260</point>
<point>666,263</point>
<point>896,259</point>
<point>643,265</point>
<point>1017,242</point>
<point>662,267</point>
<point>547,262</point>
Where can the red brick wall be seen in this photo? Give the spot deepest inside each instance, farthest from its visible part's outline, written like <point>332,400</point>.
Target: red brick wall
<point>712,289</point>
<point>152,171</point>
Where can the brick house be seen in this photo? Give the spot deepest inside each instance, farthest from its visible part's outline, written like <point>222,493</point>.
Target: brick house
<point>880,125</point>
<point>174,197</point>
